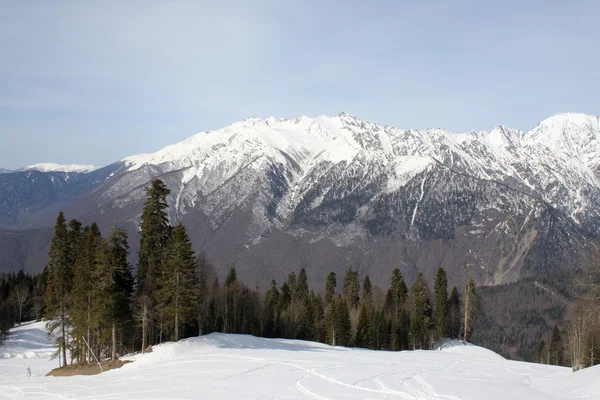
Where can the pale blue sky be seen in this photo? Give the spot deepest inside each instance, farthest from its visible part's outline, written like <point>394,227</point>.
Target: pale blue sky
<point>93,82</point>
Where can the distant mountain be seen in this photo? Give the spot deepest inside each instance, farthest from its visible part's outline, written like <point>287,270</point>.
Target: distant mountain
<point>4,170</point>
<point>52,167</point>
<point>329,193</point>
<point>332,193</point>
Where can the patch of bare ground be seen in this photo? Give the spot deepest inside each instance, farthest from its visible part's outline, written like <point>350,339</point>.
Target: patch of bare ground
<point>87,369</point>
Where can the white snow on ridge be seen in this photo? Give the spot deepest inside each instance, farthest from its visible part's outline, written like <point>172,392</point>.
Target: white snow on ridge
<point>557,160</point>
<point>52,167</point>
<point>219,366</point>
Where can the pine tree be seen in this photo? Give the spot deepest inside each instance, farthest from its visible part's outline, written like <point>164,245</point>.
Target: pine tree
<point>397,296</point>
<point>441,304</point>
<point>301,291</point>
<point>113,286</point>
<point>556,348</point>
<point>380,329</point>
<point>469,306</point>
<point>231,276</point>
<point>454,314</point>
<point>154,233</point>
<point>351,289</point>
<point>271,311</point>
<point>337,321</point>
<point>285,296</point>
<point>367,291</point>
<point>330,287</point>
<point>420,316</point>
<point>59,282</point>
<point>364,331</point>
<point>83,270</point>
<point>540,352</point>
<point>178,284</point>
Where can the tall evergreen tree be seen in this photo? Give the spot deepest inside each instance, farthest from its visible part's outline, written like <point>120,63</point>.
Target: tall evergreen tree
<point>154,233</point>
<point>271,310</point>
<point>113,287</point>
<point>469,306</point>
<point>364,331</point>
<point>556,348</point>
<point>540,352</point>
<point>454,314</point>
<point>420,316</point>
<point>301,291</point>
<point>351,289</point>
<point>338,324</point>
<point>397,296</point>
<point>231,277</point>
<point>178,283</point>
<point>367,291</point>
<point>59,283</point>
<point>330,287</point>
<point>83,284</point>
<point>441,304</point>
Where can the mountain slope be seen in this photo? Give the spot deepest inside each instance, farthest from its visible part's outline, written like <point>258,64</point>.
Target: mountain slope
<point>234,366</point>
<point>329,193</point>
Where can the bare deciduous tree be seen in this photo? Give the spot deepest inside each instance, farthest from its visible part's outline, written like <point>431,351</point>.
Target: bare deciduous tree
<point>20,298</point>
<point>578,331</point>
<point>142,315</point>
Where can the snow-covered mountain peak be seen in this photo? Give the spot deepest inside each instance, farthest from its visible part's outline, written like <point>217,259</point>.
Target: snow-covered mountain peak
<point>53,167</point>
<point>568,136</point>
<point>504,137</point>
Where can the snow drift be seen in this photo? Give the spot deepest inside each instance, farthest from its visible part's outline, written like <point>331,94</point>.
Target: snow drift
<point>240,366</point>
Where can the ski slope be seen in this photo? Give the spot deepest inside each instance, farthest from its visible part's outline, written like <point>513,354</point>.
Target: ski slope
<point>219,366</point>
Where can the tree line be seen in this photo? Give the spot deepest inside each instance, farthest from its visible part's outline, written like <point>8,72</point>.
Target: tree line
<point>98,308</point>
<point>578,342</point>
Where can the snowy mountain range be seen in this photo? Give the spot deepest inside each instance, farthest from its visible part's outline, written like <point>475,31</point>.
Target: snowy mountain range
<point>329,193</point>
<point>52,167</point>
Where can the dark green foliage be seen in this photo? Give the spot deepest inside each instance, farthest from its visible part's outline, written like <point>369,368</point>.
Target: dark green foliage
<point>113,287</point>
<point>454,314</point>
<point>367,291</point>
<point>271,311</point>
<point>364,331</point>
<point>83,284</point>
<point>59,281</point>
<point>154,233</point>
<point>352,289</point>
<point>396,304</point>
<point>301,290</point>
<point>178,283</point>
<point>286,296</point>
<point>540,354</point>
<point>231,276</point>
<point>330,287</point>
<point>338,324</point>
<point>420,315</point>
<point>556,348</point>
<point>470,304</point>
<point>381,330</point>
<point>440,288</point>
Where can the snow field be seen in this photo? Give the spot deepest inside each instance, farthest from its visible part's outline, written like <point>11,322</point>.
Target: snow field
<point>219,366</point>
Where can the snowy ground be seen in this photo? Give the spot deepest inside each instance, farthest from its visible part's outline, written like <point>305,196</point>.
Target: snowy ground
<point>244,367</point>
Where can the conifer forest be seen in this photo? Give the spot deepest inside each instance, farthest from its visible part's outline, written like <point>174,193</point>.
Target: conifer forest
<point>98,308</point>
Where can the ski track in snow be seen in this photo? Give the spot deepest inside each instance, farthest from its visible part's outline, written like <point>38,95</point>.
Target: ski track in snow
<point>241,366</point>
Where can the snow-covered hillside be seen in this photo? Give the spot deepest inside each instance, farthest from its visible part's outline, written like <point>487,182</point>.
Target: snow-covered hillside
<point>557,161</point>
<point>52,167</point>
<point>237,366</point>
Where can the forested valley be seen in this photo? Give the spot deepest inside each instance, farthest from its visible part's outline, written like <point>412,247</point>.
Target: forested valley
<point>98,308</point>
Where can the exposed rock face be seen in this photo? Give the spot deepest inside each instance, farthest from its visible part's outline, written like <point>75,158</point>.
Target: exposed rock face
<point>332,193</point>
